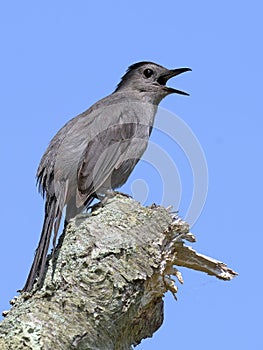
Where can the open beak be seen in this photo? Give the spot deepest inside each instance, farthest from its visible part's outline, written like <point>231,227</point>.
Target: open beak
<point>170,74</point>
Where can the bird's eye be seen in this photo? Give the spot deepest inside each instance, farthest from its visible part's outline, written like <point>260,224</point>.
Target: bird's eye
<point>148,73</point>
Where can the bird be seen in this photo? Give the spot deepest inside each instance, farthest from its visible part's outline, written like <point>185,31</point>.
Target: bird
<point>94,153</point>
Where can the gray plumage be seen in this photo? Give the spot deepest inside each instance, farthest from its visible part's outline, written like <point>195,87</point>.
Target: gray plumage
<point>96,151</point>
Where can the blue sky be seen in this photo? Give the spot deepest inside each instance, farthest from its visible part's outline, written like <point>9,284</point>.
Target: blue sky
<point>59,57</point>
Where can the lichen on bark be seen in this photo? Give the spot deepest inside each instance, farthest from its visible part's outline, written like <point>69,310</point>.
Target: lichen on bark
<point>104,287</point>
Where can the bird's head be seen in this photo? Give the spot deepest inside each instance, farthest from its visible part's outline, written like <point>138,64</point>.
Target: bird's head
<point>150,78</point>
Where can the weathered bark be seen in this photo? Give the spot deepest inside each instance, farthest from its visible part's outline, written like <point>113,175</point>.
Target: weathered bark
<point>105,287</point>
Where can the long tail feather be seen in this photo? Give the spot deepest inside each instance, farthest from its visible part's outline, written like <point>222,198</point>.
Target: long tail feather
<point>52,215</point>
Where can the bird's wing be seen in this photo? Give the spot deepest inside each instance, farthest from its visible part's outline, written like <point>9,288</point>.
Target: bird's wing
<point>106,152</point>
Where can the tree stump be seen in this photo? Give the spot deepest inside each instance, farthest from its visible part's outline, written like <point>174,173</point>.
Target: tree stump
<point>104,286</point>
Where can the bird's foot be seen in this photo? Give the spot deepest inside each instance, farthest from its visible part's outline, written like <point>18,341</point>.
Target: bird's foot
<point>96,206</point>
<point>121,194</point>
<point>104,198</point>
<point>110,194</point>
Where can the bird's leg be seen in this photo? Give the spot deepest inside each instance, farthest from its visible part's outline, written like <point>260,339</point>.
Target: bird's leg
<point>107,195</point>
<point>111,193</point>
<point>104,198</point>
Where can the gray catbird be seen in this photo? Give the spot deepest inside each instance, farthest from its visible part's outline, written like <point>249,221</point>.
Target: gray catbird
<point>95,152</point>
